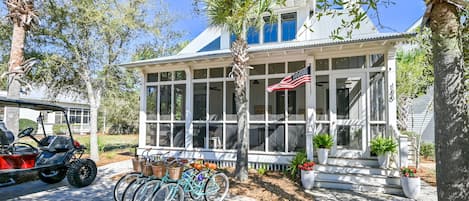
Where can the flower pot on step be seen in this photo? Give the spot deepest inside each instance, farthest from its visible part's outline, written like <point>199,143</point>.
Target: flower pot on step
<point>383,160</point>
<point>307,178</point>
<point>322,156</point>
<point>410,186</point>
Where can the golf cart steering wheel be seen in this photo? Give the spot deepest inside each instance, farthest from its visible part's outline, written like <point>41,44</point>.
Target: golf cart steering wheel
<point>13,148</point>
<point>26,132</point>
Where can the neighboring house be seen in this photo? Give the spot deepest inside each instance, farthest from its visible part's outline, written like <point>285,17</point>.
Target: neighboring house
<point>187,103</point>
<point>421,119</point>
<point>77,111</point>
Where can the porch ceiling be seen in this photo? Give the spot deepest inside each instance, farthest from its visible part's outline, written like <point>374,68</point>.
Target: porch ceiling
<point>304,47</point>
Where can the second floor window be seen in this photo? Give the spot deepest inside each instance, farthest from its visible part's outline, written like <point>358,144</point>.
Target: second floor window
<point>288,26</point>
<point>270,30</point>
<point>252,36</point>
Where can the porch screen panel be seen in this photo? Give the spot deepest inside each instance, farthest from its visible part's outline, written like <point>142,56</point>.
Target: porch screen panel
<point>199,135</point>
<point>322,128</point>
<point>377,96</point>
<point>257,100</point>
<point>179,139</point>
<point>322,97</point>
<point>378,130</point>
<point>151,135</point>
<point>200,103</point>
<point>276,103</point>
<point>152,77</point>
<point>348,62</point>
<point>165,102</point>
<point>276,137</point>
<point>152,94</point>
<point>165,135</point>
<point>179,101</point>
<point>215,100</point>
<point>276,68</point>
<point>296,137</point>
<point>296,66</point>
<point>257,70</point>
<point>349,137</point>
<point>377,60</point>
<point>230,101</point>
<point>231,136</point>
<point>165,76</point>
<point>216,72</point>
<point>215,139</point>
<point>296,104</point>
<point>257,137</point>
<point>322,64</point>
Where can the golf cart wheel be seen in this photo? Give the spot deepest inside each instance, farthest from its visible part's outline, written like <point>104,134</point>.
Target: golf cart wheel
<point>52,176</point>
<point>82,172</point>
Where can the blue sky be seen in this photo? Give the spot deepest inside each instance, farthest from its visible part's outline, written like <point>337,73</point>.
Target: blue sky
<point>399,16</point>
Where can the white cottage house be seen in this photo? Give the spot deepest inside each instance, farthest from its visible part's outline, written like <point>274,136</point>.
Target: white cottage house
<point>187,100</point>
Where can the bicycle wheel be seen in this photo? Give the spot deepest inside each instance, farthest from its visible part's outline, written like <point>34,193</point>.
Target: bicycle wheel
<point>216,187</point>
<point>122,184</point>
<point>146,190</point>
<point>198,184</point>
<point>131,188</point>
<point>169,192</point>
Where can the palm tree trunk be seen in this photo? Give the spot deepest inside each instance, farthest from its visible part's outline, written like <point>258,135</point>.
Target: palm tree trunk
<point>240,58</point>
<point>451,119</point>
<point>16,59</point>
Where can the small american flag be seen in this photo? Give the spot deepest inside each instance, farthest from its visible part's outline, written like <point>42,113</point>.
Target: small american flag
<point>292,81</point>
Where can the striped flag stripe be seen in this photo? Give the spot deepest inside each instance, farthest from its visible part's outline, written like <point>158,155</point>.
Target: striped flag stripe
<point>302,76</point>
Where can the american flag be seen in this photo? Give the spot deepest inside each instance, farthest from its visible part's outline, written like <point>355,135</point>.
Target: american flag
<point>292,81</point>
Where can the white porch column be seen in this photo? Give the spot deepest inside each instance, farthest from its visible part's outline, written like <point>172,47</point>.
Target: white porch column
<point>311,109</point>
<point>189,105</point>
<point>142,130</point>
<point>391,111</point>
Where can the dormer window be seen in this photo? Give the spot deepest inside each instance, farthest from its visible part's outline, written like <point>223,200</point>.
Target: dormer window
<point>214,45</point>
<point>288,26</point>
<point>270,30</point>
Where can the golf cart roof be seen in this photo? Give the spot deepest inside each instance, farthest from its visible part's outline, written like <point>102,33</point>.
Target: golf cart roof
<point>35,105</point>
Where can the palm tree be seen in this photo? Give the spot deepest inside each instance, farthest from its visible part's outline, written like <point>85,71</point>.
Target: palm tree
<point>235,16</point>
<point>22,15</point>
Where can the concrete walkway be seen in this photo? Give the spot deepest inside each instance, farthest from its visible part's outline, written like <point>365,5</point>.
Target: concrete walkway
<point>427,193</point>
<point>102,189</point>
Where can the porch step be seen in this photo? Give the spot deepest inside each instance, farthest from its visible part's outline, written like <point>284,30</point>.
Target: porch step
<point>345,169</point>
<point>358,187</point>
<point>358,178</point>
<point>353,162</point>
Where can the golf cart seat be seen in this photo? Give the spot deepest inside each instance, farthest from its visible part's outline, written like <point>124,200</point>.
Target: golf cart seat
<point>7,144</point>
<point>6,136</point>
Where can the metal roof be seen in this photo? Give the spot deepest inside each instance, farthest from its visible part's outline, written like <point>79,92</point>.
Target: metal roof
<point>270,47</point>
<point>34,105</point>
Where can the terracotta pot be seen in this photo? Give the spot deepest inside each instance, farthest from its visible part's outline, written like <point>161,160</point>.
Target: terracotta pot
<point>174,173</point>
<point>135,165</point>
<point>323,155</point>
<point>410,186</point>
<point>159,170</point>
<point>307,178</point>
<point>147,170</point>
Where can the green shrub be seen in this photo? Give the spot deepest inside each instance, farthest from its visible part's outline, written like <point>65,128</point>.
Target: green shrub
<point>60,129</point>
<point>262,170</point>
<point>26,123</point>
<point>427,150</point>
<point>299,159</point>
<point>323,141</point>
<point>381,145</point>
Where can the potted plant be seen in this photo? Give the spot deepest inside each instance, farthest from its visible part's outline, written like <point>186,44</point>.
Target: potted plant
<point>410,182</point>
<point>383,148</point>
<point>307,174</point>
<point>323,142</point>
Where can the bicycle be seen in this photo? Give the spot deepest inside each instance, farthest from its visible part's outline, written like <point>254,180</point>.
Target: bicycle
<point>205,183</point>
<point>126,180</point>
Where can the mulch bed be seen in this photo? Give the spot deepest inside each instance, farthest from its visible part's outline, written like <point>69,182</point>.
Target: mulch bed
<point>270,186</point>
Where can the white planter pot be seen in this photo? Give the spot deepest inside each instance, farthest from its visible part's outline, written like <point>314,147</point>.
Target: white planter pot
<point>322,156</point>
<point>410,186</point>
<point>383,160</point>
<point>307,179</point>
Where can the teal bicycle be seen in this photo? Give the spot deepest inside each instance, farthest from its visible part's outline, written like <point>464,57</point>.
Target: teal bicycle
<point>208,183</point>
